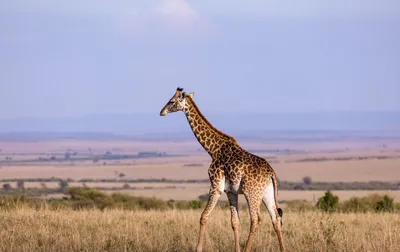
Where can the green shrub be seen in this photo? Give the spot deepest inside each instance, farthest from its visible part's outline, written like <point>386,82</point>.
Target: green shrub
<point>81,197</point>
<point>63,185</point>
<point>356,204</point>
<point>93,198</point>
<point>307,180</point>
<point>6,187</point>
<point>195,204</point>
<point>151,203</point>
<point>385,205</point>
<point>369,203</point>
<point>178,204</point>
<point>329,202</point>
<point>184,204</point>
<point>361,204</point>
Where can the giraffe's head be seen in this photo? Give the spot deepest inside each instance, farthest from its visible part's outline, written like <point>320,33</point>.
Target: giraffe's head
<point>176,103</point>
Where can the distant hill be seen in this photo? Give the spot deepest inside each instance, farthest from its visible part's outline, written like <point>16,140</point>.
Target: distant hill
<point>153,124</point>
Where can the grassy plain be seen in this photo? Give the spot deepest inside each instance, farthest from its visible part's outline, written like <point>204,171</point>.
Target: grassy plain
<point>347,159</point>
<point>118,230</point>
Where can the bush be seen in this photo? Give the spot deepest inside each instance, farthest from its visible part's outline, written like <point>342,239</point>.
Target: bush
<point>329,202</point>
<point>63,184</point>
<point>370,203</point>
<point>89,198</point>
<point>385,205</point>
<point>195,204</point>
<point>298,188</point>
<point>307,180</point>
<point>178,204</point>
<point>7,187</point>
<point>93,198</point>
<point>149,203</point>
<point>356,204</point>
<point>184,205</point>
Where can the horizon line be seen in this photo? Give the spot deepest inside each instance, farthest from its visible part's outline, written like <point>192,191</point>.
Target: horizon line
<point>212,114</point>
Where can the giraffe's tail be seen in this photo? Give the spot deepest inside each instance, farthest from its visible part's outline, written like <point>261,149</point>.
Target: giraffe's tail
<point>280,212</point>
<point>275,184</point>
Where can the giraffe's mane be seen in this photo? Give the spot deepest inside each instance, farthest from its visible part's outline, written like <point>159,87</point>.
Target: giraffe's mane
<point>206,121</point>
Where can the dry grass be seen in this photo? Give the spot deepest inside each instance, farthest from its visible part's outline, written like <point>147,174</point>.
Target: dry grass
<point>118,230</point>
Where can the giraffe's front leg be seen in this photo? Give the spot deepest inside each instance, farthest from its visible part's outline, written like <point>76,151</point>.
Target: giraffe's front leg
<point>214,194</point>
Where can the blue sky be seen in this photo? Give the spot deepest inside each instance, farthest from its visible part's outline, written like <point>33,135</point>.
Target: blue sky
<point>74,58</point>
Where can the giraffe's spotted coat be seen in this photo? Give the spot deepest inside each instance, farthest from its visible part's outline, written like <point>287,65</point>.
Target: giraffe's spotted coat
<point>233,170</point>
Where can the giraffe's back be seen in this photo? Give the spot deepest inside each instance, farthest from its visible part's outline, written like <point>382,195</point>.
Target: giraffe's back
<point>245,171</point>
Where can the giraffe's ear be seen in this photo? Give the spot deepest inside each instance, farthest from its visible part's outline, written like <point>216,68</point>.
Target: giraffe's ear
<point>191,94</point>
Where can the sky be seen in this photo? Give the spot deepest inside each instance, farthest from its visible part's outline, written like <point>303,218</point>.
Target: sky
<point>76,58</point>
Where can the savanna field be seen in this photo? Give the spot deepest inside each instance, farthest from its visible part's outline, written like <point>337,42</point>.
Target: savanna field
<point>28,229</point>
<point>103,202</point>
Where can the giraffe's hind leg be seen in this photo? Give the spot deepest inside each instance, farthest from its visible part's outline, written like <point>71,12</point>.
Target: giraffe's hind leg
<point>275,212</point>
<point>254,201</point>
<point>233,203</point>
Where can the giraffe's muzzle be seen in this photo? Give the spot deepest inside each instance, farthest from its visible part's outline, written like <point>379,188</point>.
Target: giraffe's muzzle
<point>163,112</point>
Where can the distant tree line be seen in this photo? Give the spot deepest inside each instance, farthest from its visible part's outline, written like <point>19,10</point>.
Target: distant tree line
<point>307,184</point>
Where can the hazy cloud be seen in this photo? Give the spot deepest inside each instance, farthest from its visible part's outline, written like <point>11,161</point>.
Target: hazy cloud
<point>170,20</point>
<point>176,9</point>
<point>306,8</point>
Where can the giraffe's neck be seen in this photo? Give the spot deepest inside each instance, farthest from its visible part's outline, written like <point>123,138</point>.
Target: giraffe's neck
<point>208,136</point>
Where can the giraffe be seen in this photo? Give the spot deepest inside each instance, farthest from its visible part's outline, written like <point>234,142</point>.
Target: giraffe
<point>233,170</point>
